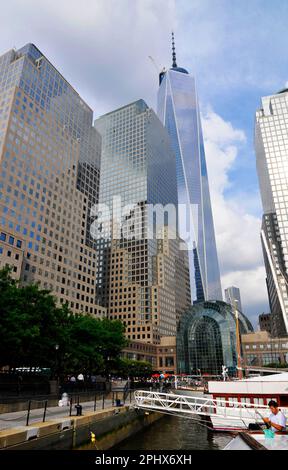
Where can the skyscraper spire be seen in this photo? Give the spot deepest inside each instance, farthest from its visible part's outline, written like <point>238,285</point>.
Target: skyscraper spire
<point>177,108</point>
<point>174,63</point>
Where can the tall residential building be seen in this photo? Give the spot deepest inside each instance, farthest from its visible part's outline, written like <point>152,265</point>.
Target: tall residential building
<point>178,109</point>
<point>138,274</point>
<point>271,146</point>
<point>232,297</point>
<point>49,179</point>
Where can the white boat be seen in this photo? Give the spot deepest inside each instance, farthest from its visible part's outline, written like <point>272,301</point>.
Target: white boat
<point>247,398</point>
<point>257,441</point>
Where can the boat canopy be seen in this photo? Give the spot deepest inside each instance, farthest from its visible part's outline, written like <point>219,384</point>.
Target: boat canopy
<point>266,385</point>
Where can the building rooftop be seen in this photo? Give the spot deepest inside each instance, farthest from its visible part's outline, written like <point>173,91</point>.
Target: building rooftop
<point>179,69</point>
<point>283,377</point>
<point>140,104</point>
<point>34,54</point>
<point>285,90</point>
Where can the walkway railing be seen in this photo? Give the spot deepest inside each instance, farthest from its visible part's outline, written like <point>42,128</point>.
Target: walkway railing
<point>41,410</point>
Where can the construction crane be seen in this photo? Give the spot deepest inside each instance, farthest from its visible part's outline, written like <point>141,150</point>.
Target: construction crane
<point>160,73</point>
<point>154,63</point>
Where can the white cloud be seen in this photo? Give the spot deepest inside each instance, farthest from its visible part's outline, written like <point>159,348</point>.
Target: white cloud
<point>220,140</point>
<point>253,290</point>
<point>237,229</point>
<point>221,132</point>
<point>101,47</point>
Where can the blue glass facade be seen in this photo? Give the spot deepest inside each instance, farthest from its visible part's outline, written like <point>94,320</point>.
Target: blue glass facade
<point>179,111</point>
<point>136,280</point>
<point>49,178</point>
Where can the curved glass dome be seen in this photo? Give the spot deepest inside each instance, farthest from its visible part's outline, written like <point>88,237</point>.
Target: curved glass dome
<point>206,338</point>
<point>179,69</point>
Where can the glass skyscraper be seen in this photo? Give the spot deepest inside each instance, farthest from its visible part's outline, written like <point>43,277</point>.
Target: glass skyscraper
<point>138,275</point>
<point>232,297</point>
<point>49,178</point>
<point>271,146</point>
<point>178,109</point>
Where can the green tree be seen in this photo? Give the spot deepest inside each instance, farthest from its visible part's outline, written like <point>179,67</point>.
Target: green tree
<point>32,325</point>
<point>94,343</point>
<point>10,324</point>
<point>133,368</point>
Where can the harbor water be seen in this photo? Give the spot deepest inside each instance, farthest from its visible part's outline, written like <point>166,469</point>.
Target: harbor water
<point>174,433</point>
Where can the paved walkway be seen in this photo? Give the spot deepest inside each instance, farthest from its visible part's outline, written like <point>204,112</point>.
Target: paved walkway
<point>18,419</point>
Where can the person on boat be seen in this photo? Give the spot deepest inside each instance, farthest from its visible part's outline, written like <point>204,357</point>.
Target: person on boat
<point>277,420</point>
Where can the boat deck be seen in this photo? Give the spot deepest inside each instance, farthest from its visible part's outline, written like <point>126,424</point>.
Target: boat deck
<point>258,441</point>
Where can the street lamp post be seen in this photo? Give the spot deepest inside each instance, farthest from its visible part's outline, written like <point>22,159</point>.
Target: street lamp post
<point>54,384</point>
<point>56,361</point>
<point>238,341</point>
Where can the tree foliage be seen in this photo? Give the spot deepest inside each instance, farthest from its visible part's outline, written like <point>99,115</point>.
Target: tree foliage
<point>132,368</point>
<point>36,332</point>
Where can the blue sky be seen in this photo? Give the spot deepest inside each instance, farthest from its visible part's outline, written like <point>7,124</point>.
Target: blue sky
<point>236,49</point>
<point>242,56</point>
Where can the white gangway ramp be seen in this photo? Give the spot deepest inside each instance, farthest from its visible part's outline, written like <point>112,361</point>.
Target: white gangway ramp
<point>222,414</point>
<point>171,402</point>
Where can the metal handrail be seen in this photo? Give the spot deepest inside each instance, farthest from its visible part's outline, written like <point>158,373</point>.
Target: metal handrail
<point>196,405</point>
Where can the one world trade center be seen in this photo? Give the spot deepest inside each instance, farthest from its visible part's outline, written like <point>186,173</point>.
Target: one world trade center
<point>178,109</point>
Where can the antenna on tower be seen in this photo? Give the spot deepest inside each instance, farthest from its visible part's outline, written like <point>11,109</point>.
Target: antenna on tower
<point>174,63</point>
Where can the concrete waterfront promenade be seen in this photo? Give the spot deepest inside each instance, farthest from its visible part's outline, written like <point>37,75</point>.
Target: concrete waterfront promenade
<point>109,425</point>
<point>16,419</point>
